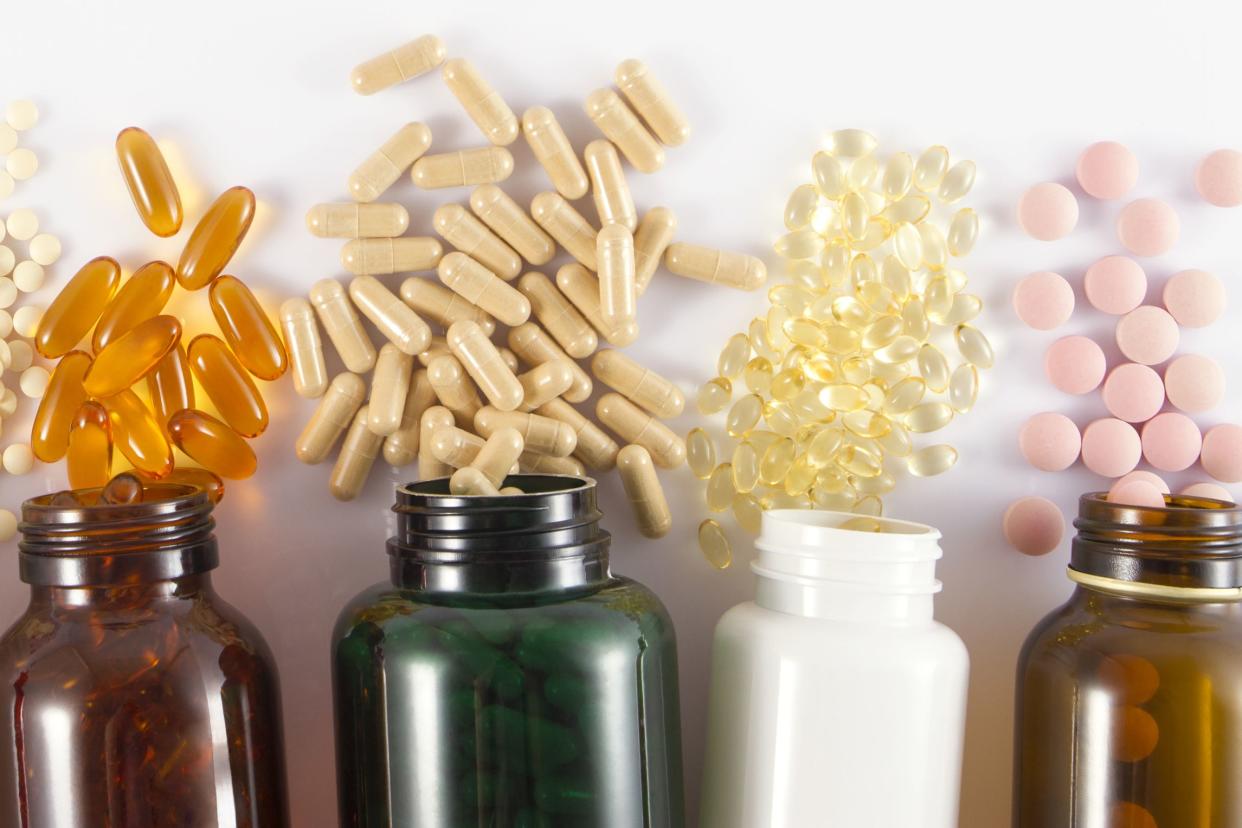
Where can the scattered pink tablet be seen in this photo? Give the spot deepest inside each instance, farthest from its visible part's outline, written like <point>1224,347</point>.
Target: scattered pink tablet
<point>1219,178</point>
<point>1148,227</point>
<point>1043,300</point>
<point>1033,525</point>
<point>1050,441</point>
<point>1142,474</point>
<point>1136,493</point>
<point>1133,392</point>
<point>1075,364</point>
<point>1115,284</point>
<point>1107,170</point>
<point>1111,447</point>
<point>1194,383</point>
<point>1148,335</point>
<point>1048,211</point>
<point>1195,298</point>
<point>1222,453</point>
<point>1210,490</point>
<point>1171,441</point>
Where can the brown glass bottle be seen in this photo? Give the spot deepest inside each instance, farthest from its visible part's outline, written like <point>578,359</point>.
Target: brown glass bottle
<point>130,694</point>
<point>1129,697</point>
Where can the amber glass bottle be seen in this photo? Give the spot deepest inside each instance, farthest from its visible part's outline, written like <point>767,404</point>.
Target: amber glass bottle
<point>1129,704</point>
<point>131,696</point>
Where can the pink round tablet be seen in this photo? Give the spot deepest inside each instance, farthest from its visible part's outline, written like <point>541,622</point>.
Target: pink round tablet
<point>1111,447</point>
<point>1195,298</point>
<point>1133,393</point>
<point>1171,441</point>
<point>1222,453</point>
<point>1115,284</point>
<point>1218,178</point>
<point>1043,300</point>
<point>1150,477</point>
<point>1075,364</point>
<point>1136,493</point>
<point>1194,383</point>
<point>1050,441</point>
<point>1033,525</point>
<point>1148,227</point>
<point>1148,335</point>
<point>1048,211</point>
<point>1107,170</point>
<point>1209,490</point>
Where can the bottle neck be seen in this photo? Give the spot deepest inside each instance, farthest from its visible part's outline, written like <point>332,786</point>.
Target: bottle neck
<point>129,598</point>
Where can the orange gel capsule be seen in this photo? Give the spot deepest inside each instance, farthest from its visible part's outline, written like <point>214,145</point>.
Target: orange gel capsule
<point>132,356</point>
<point>150,184</point>
<point>215,238</point>
<point>212,444</point>
<point>170,385</point>
<point>228,385</point>
<point>247,329</point>
<point>209,482</point>
<point>89,458</point>
<point>77,307</point>
<point>49,437</point>
<point>144,295</point>
<point>136,433</point>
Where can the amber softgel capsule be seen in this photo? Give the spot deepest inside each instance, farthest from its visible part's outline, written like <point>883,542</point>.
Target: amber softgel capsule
<point>150,184</point>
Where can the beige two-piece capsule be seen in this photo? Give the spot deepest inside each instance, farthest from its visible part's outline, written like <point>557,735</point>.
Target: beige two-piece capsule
<point>552,148</point>
<point>482,103</point>
<point>438,348</point>
<point>547,464</point>
<point>595,447</point>
<point>382,169</point>
<point>297,321</point>
<point>394,318</point>
<point>409,60</point>
<point>582,289</point>
<point>510,359</point>
<point>401,447</point>
<point>558,315</point>
<point>609,189</point>
<point>621,126</point>
<point>485,366</point>
<point>543,435</point>
<point>368,256</point>
<point>640,385</point>
<point>545,382</point>
<point>478,285</point>
<point>642,487</point>
<point>340,320</point>
<point>533,345</point>
<point>618,298</point>
<point>637,426</point>
<point>332,416</point>
<point>443,305</point>
<point>651,239</point>
<point>453,388</point>
<point>455,446</point>
<point>434,418</point>
<point>508,220</point>
<point>464,168</point>
<point>357,455</point>
<point>718,267</point>
<point>465,232</point>
<point>471,481</point>
<point>565,224</point>
<point>390,387</point>
<point>652,102</point>
<point>357,221</point>
<point>499,454</point>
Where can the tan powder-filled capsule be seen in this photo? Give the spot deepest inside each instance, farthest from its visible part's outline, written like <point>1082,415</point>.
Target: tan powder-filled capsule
<point>543,435</point>
<point>582,289</point>
<point>482,103</point>
<point>369,256</point>
<point>379,172</point>
<point>455,447</point>
<point>510,359</point>
<point>471,481</point>
<point>545,382</point>
<point>508,220</point>
<point>485,366</point>
<point>454,389</point>
<point>409,60</point>
<point>332,416</point>
<point>464,168</point>
<point>438,348</point>
<point>609,189</point>
<point>642,487</point>
<point>434,418</point>
<point>640,385</point>
<point>534,347</point>
<point>340,320</point>
<point>443,305</point>
<point>654,235</point>
<point>297,321</point>
<point>565,224</point>
<point>478,285</point>
<point>718,267</point>
<point>358,454</point>
<point>595,448</point>
<point>499,454</point>
<point>618,298</point>
<point>637,426</point>
<point>533,463</point>
<point>401,447</point>
<point>551,147</point>
<point>394,318</point>
<point>465,232</point>
<point>558,315</point>
<point>651,101</point>
<point>390,386</point>
<point>621,126</point>
<point>357,221</point>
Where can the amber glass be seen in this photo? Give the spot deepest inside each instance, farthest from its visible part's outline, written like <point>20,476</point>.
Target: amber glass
<point>131,695</point>
<point>1129,703</point>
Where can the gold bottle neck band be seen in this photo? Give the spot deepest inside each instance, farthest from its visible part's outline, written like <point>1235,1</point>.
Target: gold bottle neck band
<point>1140,589</point>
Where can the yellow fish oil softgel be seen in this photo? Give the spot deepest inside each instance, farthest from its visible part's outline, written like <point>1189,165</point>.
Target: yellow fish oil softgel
<point>212,444</point>
<point>464,168</point>
<point>651,239</point>
<point>482,103</point>
<point>565,224</point>
<point>471,481</point>
<point>640,385</point>
<point>650,100</point>
<point>543,435</point>
<point>150,184</point>
<point>215,238</point>
<point>88,456</point>
<point>357,455</point>
<point>499,454</point>
<point>380,256</point>
<point>401,447</point>
<point>395,319</point>
<point>434,419</point>
<point>310,373</point>
<point>77,307</point>
<point>456,447</point>
<point>544,383</point>
<point>49,438</point>
<point>142,296</point>
<point>339,319</point>
<point>642,488</point>
<point>131,357</point>
<point>390,385</point>
<point>479,286</point>
<point>383,167</point>
<point>465,232</point>
<point>453,388</point>
<point>228,385</point>
<point>609,189</point>
<point>551,147</point>
<point>170,385</point>
<point>510,222</point>
<point>621,126</point>
<point>409,60</point>
<point>485,366</point>
<point>717,267</point>
<point>357,221</point>
<point>595,448</point>
<point>634,425</point>
<point>534,347</point>
<point>558,315</point>
<point>618,298</point>
<point>137,435</point>
<point>442,305</point>
<point>247,329</point>
<point>332,416</point>
<point>582,289</point>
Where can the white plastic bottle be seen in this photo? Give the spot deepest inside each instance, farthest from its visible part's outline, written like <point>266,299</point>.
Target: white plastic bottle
<point>836,700</point>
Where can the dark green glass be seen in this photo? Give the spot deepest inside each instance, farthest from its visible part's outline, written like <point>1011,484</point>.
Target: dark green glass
<point>505,677</point>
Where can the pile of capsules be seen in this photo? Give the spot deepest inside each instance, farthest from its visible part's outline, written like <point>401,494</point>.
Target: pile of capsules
<point>848,365</point>
<point>468,410</point>
<point>20,163</point>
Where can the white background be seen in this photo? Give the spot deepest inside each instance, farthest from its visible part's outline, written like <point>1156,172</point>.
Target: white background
<point>257,94</point>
